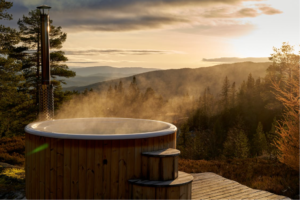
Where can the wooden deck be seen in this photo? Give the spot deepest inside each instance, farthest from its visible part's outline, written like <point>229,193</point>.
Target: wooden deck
<point>212,186</point>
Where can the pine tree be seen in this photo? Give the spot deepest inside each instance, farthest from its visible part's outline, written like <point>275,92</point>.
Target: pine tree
<point>257,82</point>
<point>4,6</point>
<point>287,92</point>
<point>271,138</point>
<point>233,94</point>
<point>149,94</point>
<point>15,109</point>
<point>8,36</point>
<point>120,88</point>
<point>242,93</point>
<point>250,82</point>
<point>242,146</point>
<point>204,101</point>
<point>259,140</point>
<point>236,144</point>
<point>15,105</point>
<point>30,36</point>
<point>184,136</point>
<point>109,93</point>
<point>283,61</point>
<point>134,91</point>
<point>116,88</point>
<point>225,93</point>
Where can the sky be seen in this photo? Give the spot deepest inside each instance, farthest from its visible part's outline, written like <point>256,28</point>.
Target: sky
<point>169,34</point>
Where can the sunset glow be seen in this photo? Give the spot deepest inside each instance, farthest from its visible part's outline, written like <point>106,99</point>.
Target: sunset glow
<point>169,34</point>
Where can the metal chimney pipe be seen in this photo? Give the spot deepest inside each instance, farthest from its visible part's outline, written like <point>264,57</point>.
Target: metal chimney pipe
<point>45,49</point>
<point>46,101</point>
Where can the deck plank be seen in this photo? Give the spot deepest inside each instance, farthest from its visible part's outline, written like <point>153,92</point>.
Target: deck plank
<point>214,183</point>
<point>183,178</point>
<point>219,190</point>
<point>212,186</point>
<point>248,194</point>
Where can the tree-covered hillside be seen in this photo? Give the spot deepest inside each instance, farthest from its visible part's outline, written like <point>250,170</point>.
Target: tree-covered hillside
<point>178,82</point>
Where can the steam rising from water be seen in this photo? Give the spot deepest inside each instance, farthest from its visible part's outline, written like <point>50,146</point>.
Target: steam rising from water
<point>95,104</point>
<point>180,89</point>
<point>101,126</point>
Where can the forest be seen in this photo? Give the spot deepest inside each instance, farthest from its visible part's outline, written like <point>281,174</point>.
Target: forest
<point>258,119</point>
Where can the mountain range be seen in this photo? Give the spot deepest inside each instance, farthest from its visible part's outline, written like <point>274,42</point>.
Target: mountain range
<point>177,82</point>
<point>90,75</point>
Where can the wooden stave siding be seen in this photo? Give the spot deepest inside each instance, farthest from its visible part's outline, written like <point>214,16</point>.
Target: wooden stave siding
<point>162,168</point>
<point>59,176</point>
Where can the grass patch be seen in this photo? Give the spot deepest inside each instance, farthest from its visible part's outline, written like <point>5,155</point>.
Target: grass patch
<point>257,173</point>
<point>14,173</point>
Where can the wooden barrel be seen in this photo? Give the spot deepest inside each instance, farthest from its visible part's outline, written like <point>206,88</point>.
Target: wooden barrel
<point>66,168</point>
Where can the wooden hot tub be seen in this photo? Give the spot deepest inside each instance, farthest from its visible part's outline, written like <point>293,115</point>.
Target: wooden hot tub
<point>90,158</point>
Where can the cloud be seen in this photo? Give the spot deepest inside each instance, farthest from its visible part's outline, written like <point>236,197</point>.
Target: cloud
<point>120,52</point>
<point>241,13</point>
<point>236,59</point>
<point>136,15</point>
<point>82,62</point>
<point>247,12</point>
<point>229,13</point>
<point>269,10</point>
<point>224,30</point>
<point>127,23</point>
<point>128,4</point>
<point>75,59</point>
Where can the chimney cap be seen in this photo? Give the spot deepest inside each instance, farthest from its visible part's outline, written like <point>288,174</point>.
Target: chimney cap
<point>43,8</point>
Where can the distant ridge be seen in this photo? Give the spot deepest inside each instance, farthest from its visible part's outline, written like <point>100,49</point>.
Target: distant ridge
<point>177,82</point>
<point>88,71</point>
<point>90,75</point>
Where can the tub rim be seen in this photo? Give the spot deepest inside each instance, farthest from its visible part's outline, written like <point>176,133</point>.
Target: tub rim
<point>172,129</point>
